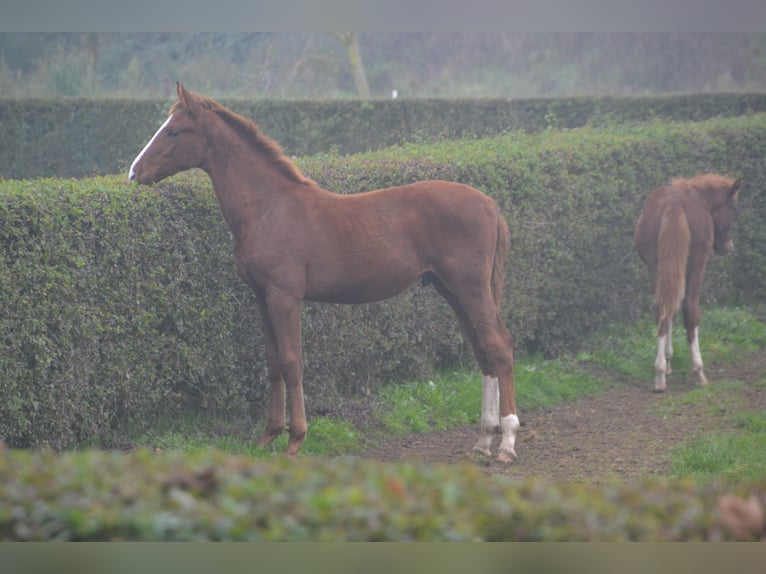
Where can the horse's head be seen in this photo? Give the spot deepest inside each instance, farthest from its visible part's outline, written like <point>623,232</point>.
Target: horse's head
<point>178,145</point>
<point>724,217</point>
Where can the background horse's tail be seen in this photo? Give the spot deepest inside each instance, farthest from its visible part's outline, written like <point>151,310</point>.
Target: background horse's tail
<point>672,254</point>
<point>501,252</point>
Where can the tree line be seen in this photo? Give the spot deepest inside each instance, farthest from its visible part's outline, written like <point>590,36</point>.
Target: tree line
<point>348,64</point>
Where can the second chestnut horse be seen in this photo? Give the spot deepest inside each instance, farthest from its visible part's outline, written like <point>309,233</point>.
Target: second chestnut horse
<point>681,224</point>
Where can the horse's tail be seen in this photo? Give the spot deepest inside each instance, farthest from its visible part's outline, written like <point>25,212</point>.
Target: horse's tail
<point>672,254</point>
<point>501,252</point>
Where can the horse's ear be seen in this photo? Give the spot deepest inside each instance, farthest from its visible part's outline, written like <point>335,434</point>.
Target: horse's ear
<point>734,190</point>
<point>187,99</point>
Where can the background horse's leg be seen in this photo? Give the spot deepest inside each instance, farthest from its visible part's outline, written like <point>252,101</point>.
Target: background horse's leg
<point>276,421</point>
<point>692,315</point>
<point>661,363</point>
<point>669,348</point>
<point>284,312</point>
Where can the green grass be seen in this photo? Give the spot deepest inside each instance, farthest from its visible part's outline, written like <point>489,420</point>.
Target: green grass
<point>717,398</point>
<point>327,437</point>
<point>454,397</point>
<point>445,401</point>
<point>734,457</point>
<point>726,333</point>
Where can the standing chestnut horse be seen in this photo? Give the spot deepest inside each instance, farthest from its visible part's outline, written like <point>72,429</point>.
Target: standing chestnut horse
<point>294,240</point>
<point>679,227</point>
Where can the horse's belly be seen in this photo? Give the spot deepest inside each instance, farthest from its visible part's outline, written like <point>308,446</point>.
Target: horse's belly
<point>369,290</point>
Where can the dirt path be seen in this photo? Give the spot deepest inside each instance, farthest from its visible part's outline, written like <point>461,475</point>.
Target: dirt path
<point>624,433</point>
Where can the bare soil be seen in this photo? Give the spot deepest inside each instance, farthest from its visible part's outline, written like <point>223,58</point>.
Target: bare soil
<point>624,433</point>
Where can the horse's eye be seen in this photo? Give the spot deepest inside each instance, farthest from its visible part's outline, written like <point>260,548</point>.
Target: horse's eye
<point>172,133</point>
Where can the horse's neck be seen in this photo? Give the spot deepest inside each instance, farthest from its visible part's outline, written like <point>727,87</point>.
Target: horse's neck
<point>246,186</point>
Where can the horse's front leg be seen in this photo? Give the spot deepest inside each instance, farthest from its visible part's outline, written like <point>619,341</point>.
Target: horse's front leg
<point>276,421</point>
<point>284,313</point>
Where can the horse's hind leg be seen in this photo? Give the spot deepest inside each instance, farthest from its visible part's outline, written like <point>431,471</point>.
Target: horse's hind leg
<point>495,356</point>
<point>489,424</point>
<point>669,348</point>
<point>664,355</point>
<point>692,315</point>
<point>492,346</point>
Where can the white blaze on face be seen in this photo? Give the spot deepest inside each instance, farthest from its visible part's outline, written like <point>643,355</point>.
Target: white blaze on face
<point>132,172</point>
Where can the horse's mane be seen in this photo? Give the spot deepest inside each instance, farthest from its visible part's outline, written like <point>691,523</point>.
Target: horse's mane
<point>704,181</point>
<point>249,130</point>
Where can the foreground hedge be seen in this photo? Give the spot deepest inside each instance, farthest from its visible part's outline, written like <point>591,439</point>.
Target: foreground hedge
<point>121,306</point>
<point>213,496</point>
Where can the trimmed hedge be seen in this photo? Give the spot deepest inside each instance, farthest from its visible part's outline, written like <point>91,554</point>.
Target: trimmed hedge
<point>95,496</point>
<point>121,304</point>
<point>572,199</point>
<point>84,137</point>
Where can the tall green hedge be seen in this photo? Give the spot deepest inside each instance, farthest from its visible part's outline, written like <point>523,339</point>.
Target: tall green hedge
<point>84,137</point>
<point>120,304</point>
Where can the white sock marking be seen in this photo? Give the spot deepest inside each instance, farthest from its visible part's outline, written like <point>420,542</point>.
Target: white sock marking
<point>490,403</point>
<point>660,364</point>
<point>510,426</point>
<point>490,414</point>
<point>694,350</point>
<point>669,345</point>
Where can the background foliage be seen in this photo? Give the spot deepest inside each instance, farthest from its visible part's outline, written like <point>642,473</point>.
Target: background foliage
<point>445,64</point>
<point>120,304</point>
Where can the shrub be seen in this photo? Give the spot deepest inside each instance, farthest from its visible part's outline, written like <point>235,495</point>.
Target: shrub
<point>93,496</point>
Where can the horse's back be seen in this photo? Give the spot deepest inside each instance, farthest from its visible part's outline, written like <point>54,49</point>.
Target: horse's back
<point>424,210</point>
<point>684,205</point>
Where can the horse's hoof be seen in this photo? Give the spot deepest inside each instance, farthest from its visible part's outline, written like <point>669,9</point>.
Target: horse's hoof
<point>659,390</point>
<point>506,456</point>
<point>482,450</point>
